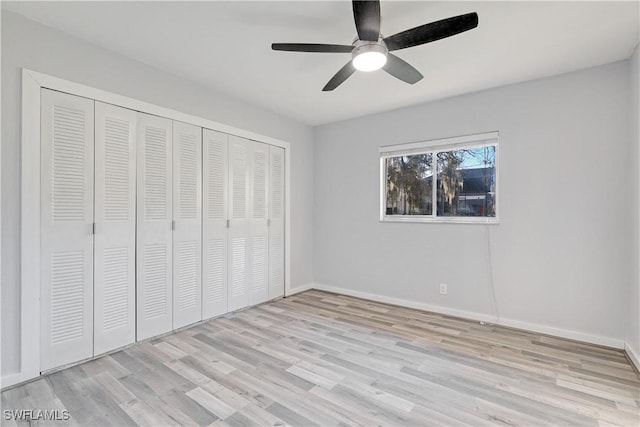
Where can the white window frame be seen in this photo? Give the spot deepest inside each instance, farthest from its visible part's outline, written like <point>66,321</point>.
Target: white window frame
<point>488,139</point>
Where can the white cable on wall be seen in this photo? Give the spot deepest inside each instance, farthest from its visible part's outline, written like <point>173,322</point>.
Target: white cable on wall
<point>492,292</point>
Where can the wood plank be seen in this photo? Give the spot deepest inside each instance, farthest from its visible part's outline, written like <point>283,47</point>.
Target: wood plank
<point>211,403</point>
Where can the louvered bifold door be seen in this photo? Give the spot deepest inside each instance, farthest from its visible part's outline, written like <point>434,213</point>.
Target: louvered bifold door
<point>259,232</point>
<point>239,243</point>
<point>154,312</point>
<point>214,223</point>
<point>115,238</point>
<point>187,215</point>
<point>66,219</point>
<point>276,222</point>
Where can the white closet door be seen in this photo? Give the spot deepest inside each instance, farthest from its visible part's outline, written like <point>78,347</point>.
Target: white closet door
<point>154,211</point>
<point>276,222</point>
<point>239,223</point>
<point>214,223</point>
<point>115,238</point>
<point>259,231</point>
<point>187,214</point>
<point>66,293</point>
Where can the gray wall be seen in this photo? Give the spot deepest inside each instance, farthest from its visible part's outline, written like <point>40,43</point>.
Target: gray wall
<point>633,338</point>
<point>34,46</point>
<point>560,253</point>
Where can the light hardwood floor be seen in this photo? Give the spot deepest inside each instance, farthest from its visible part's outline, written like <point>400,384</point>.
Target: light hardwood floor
<point>323,359</point>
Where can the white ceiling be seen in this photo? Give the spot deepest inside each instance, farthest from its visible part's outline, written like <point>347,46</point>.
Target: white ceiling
<point>226,46</point>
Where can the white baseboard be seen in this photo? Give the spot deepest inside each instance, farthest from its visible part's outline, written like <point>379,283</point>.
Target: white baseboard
<point>299,289</point>
<point>9,380</point>
<point>564,333</point>
<point>480,317</point>
<point>633,356</point>
<point>406,303</point>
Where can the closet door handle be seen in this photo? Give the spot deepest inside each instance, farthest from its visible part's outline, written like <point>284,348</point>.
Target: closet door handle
<point>173,225</point>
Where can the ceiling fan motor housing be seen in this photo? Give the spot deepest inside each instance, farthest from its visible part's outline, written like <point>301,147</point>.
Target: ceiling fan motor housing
<point>361,46</point>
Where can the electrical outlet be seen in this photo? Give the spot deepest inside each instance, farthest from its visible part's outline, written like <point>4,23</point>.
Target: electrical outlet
<point>443,288</point>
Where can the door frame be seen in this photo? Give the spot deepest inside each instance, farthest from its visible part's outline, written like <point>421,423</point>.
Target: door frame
<point>32,83</point>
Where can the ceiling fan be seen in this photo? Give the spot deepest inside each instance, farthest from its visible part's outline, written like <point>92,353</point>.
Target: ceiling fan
<point>371,51</point>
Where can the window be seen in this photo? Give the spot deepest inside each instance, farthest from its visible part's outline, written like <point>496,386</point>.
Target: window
<point>447,180</point>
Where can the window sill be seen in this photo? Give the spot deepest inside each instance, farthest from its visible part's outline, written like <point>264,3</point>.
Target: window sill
<point>440,220</point>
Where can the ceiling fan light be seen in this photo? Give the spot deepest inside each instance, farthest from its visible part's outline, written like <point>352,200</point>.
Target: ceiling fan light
<point>369,61</point>
<point>369,56</point>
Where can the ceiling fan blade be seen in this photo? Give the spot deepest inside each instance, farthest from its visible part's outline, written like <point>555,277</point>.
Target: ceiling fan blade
<point>400,69</point>
<point>342,75</point>
<point>367,17</point>
<point>312,47</point>
<point>433,31</point>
